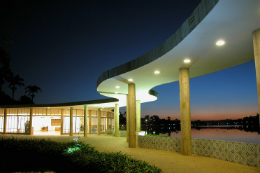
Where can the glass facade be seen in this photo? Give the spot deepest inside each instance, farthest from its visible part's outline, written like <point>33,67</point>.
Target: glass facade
<point>48,121</point>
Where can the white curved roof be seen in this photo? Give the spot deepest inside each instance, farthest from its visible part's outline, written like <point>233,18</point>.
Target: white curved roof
<point>230,20</point>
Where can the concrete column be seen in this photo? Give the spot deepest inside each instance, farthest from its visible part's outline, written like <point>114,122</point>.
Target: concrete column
<point>186,147</point>
<point>256,44</point>
<point>127,119</point>
<point>61,121</point>
<point>5,120</point>
<point>71,121</point>
<point>107,120</point>
<point>31,117</point>
<point>132,115</point>
<point>85,120</point>
<point>99,122</point>
<point>89,122</point>
<point>116,120</point>
<point>138,116</point>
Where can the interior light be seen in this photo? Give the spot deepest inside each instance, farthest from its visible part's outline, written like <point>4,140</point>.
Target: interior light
<point>187,61</point>
<point>220,43</point>
<point>156,72</point>
<point>130,80</point>
<point>117,86</point>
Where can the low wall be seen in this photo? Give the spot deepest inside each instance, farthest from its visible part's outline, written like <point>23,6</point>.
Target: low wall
<point>237,152</point>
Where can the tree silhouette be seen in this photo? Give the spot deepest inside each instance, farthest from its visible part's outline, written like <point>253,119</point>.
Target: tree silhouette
<point>5,70</point>
<point>31,89</point>
<point>24,99</point>
<point>15,80</point>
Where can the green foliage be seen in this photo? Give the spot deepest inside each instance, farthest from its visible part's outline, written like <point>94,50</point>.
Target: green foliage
<point>156,135</point>
<point>83,158</point>
<point>122,128</point>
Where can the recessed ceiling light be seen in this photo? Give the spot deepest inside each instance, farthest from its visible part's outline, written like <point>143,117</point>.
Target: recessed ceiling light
<point>130,80</point>
<point>187,61</point>
<point>117,86</point>
<point>220,43</point>
<point>157,72</point>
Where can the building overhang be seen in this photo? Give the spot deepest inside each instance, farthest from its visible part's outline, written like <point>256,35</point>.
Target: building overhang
<point>105,104</point>
<point>231,21</point>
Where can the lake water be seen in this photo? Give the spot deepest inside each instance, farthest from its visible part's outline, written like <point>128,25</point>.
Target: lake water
<point>220,133</point>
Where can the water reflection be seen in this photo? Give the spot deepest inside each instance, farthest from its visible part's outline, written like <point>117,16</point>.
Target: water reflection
<point>240,133</point>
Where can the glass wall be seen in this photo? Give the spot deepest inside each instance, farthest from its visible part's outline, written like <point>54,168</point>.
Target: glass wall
<point>48,120</point>
<point>17,120</point>
<point>1,120</point>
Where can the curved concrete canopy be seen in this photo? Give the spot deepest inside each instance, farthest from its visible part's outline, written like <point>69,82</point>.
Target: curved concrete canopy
<point>106,104</point>
<point>232,21</point>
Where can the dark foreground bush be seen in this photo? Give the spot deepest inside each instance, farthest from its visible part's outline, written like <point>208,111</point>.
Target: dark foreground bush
<point>40,154</point>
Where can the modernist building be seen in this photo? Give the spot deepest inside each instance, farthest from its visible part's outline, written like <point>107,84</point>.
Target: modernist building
<point>218,34</point>
<point>65,118</point>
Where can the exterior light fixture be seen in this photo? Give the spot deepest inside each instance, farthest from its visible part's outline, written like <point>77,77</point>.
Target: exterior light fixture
<point>117,86</point>
<point>187,61</point>
<point>220,43</point>
<point>130,80</point>
<point>157,72</point>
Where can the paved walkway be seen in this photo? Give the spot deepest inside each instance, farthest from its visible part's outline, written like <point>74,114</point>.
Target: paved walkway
<point>168,161</point>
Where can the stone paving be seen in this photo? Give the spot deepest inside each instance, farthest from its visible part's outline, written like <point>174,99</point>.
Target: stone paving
<point>168,161</point>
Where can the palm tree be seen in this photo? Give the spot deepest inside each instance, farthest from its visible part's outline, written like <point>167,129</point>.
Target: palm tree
<point>31,89</point>
<point>15,80</point>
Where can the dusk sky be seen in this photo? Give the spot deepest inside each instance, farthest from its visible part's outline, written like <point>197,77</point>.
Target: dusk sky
<point>63,46</point>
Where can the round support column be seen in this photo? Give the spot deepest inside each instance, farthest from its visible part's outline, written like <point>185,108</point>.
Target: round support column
<point>256,44</point>
<point>5,120</point>
<point>107,121</point>
<point>132,115</point>
<point>31,117</point>
<point>116,120</point>
<point>127,119</point>
<point>138,116</point>
<point>99,122</point>
<point>61,121</point>
<point>89,122</point>
<point>71,121</point>
<point>85,120</point>
<point>186,147</point>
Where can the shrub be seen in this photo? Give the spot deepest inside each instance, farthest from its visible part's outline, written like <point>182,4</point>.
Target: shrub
<point>78,157</point>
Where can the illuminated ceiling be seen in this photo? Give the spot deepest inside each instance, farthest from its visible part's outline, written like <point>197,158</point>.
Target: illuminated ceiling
<point>230,21</point>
